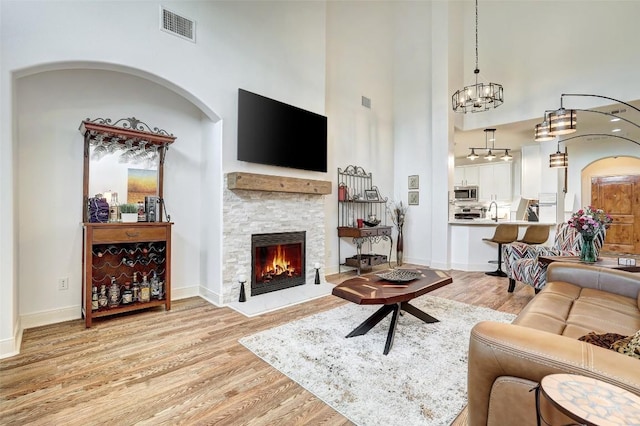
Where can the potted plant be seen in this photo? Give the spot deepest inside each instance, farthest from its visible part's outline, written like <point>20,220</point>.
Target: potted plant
<point>129,213</point>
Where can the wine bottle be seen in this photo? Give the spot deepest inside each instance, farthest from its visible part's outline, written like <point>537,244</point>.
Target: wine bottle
<point>145,291</point>
<point>102,298</point>
<point>135,288</point>
<point>114,293</point>
<point>127,294</point>
<point>94,298</point>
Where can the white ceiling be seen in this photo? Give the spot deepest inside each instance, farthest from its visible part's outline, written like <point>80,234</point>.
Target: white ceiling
<point>514,135</point>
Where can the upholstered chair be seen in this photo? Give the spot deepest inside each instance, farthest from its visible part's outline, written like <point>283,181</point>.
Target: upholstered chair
<point>521,259</point>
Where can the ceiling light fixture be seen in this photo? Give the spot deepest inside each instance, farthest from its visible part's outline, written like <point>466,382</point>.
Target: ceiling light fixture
<point>541,132</point>
<point>478,97</point>
<point>560,159</point>
<point>564,121</point>
<point>489,149</point>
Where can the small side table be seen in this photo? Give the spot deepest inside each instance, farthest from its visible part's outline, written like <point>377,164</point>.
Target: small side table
<point>590,401</point>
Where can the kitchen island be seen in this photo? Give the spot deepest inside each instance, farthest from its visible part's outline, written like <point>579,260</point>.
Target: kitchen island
<point>470,253</point>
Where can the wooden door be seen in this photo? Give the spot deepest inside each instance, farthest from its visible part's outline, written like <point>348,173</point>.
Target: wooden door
<point>620,197</point>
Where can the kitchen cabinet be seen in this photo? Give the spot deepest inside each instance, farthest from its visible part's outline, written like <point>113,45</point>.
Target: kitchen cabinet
<point>531,176</point>
<point>466,176</point>
<point>494,182</point>
<point>125,266</point>
<point>362,217</point>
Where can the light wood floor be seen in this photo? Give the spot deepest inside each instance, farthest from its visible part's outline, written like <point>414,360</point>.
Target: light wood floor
<point>184,366</point>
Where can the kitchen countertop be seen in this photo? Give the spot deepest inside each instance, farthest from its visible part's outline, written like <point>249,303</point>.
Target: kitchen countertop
<point>491,222</point>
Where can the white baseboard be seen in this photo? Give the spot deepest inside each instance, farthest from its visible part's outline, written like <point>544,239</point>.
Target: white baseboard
<point>10,347</point>
<point>210,296</point>
<point>51,317</point>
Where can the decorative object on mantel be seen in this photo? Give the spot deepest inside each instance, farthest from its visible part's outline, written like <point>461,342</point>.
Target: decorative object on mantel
<point>478,97</point>
<point>489,150</point>
<point>317,268</point>
<point>589,221</point>
<point>398,211</point>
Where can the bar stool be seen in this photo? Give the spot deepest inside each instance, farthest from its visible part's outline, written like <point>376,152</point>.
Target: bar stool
<point>535,234</point>
<point>504,234</point>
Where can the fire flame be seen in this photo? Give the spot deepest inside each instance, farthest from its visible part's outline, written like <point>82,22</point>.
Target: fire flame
<point>278,266</point>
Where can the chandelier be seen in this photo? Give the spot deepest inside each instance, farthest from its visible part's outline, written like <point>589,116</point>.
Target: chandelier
<point>490,134</point>
<point>478,97</point>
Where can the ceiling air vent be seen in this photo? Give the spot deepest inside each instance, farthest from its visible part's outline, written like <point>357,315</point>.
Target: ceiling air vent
<point>177,25</point>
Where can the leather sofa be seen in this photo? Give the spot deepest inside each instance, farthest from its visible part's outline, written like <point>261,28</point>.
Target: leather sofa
<point>507,361</point>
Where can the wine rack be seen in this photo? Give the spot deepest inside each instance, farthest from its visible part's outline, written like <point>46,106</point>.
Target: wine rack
<point>117,251</point>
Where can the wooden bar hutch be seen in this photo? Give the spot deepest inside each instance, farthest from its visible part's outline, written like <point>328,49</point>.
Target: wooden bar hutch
<point>116,251</point>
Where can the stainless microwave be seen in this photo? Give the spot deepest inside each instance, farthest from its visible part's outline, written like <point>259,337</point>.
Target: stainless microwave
<point>465,193</point>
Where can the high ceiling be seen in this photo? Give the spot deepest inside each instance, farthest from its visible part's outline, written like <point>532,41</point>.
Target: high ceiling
<point>514,135</point>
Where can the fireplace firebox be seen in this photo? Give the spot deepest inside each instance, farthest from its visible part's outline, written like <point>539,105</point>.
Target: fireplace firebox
<point>277,261</point>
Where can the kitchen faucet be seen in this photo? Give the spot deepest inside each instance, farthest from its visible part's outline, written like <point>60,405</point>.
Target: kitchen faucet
<point>489,210</point>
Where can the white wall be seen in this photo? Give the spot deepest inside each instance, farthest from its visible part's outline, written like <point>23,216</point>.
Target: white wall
<point>359,63</point>
<point>273,48</point>
<point>413,127</point>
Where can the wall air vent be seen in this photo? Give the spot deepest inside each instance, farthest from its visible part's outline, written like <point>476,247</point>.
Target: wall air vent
<point>177,25</point>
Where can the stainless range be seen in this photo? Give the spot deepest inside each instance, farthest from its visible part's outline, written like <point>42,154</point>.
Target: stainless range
<point>468,213</point>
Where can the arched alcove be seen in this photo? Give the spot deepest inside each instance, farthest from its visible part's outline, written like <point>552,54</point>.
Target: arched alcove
<point>50,102</point>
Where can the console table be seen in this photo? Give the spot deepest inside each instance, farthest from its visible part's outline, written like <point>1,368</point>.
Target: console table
<point>603,262</point>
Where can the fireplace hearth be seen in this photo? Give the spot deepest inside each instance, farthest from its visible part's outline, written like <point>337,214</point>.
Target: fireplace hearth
<point>277,261</point>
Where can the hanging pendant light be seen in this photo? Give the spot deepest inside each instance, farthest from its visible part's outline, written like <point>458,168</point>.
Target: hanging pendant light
<point>562,122</point>
<point>506,156</point>
<point>490,156</point>
<point>558,160</point>
<point>478,97</point>
<point>489,135</point>
<point>541,133</point>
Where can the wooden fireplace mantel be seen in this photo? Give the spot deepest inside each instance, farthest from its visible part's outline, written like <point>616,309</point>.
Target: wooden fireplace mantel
<point>257,182</point>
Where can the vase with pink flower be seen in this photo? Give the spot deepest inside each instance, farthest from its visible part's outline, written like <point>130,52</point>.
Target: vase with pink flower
<point>589,222</point>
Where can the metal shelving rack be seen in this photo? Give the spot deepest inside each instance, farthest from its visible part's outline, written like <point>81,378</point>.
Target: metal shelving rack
<point>358,198</point>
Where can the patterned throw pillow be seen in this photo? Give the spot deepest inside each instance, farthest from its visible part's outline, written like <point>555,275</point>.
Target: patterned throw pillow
<point>603,340</point>
<point>627,345</point>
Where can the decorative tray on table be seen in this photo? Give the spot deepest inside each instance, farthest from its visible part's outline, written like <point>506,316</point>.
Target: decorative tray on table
<point>400,275</point>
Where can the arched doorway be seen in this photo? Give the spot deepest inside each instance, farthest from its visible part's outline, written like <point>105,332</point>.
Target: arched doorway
<point>613,184</point>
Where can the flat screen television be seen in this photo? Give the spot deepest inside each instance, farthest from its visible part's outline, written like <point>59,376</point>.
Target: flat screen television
<point>274,133</point>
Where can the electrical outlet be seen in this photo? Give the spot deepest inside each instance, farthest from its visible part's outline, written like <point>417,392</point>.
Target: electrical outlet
<point>63,283</point>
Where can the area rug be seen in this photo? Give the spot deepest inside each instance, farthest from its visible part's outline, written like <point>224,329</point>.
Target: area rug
<point>422,381</point>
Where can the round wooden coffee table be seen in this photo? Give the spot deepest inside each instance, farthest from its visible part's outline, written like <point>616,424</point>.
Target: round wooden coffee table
<point>590,401</point>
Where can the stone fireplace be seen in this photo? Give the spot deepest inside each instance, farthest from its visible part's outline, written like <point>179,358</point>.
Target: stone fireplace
<point>277,261</point>
<point>261,204</point>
